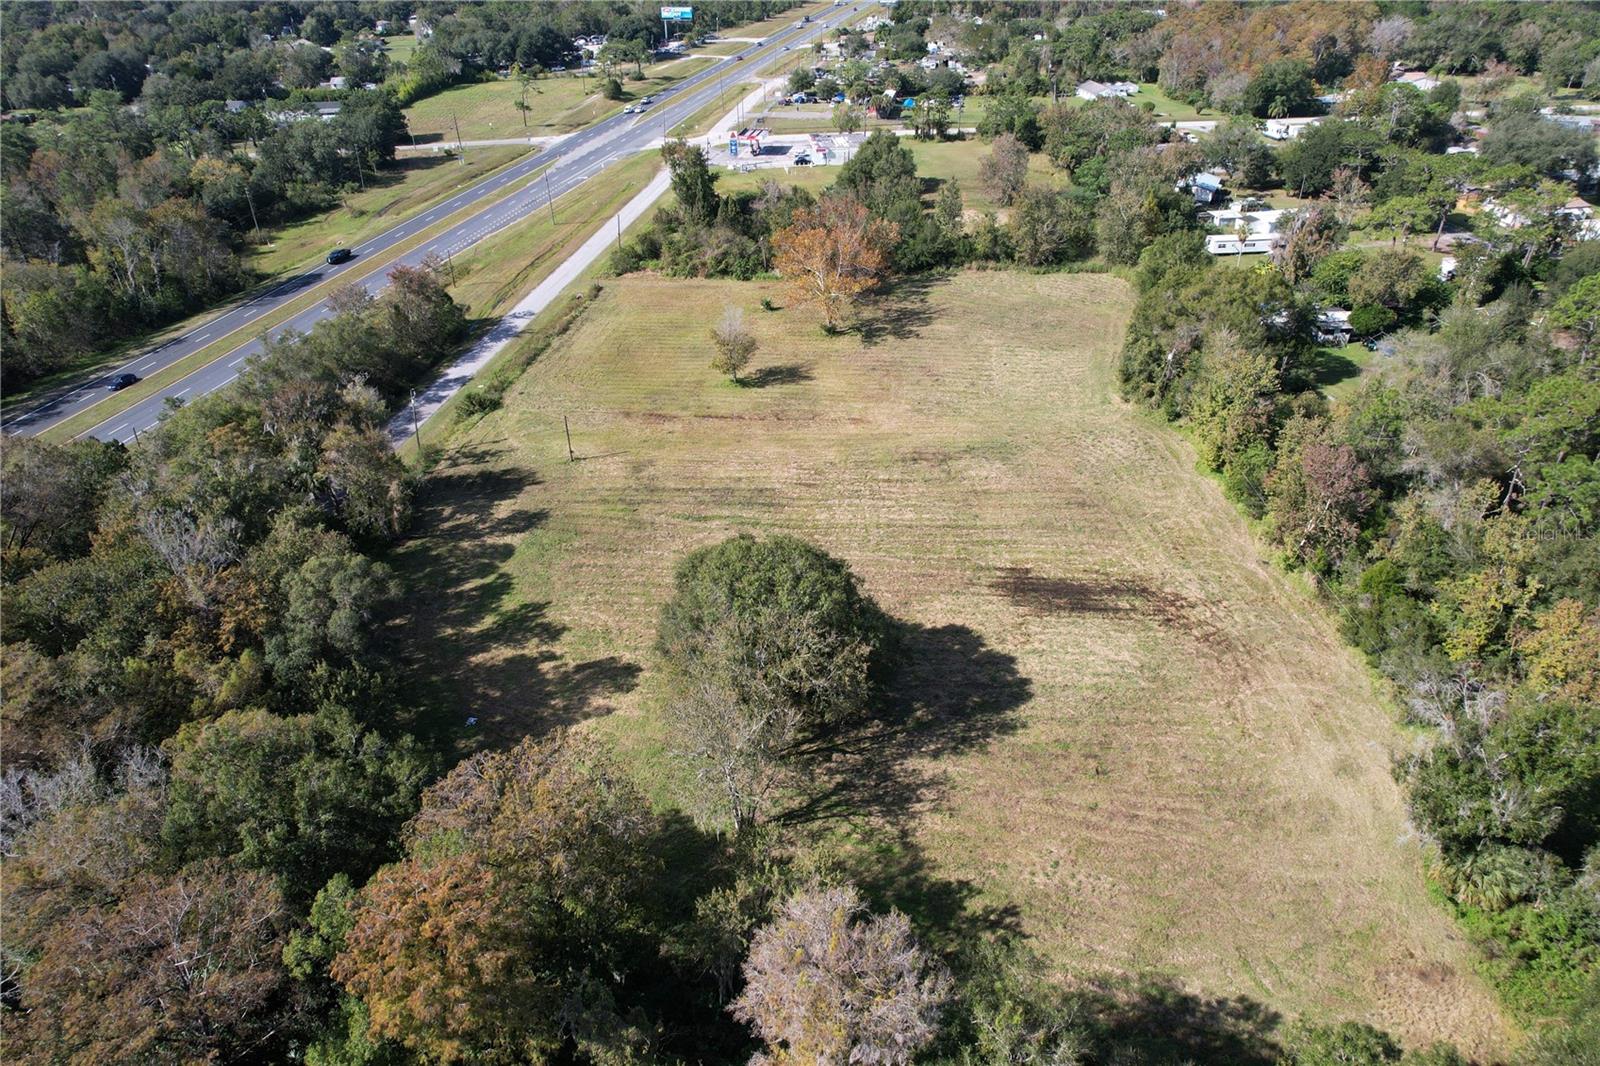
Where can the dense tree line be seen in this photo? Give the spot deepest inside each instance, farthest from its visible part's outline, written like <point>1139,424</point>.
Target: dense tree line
<point>201,724</point>
<point>1248,57</point>
<point>119,220</point>
<point>1449,508</point>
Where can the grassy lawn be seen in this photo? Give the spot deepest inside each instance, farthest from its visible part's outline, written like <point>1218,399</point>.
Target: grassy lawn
<point>409,186</point>
<point>1166,106</point>
<point>702,120</point>
<point>943,160</point>
<point>1116,728</point>
<point>1339,370</point>
<point>401,47</point>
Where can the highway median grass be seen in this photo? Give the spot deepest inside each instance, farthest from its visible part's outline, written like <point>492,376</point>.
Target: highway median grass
<point>493,275</point>
<point>558,104</point>
<point>415,184</point>
<point>117,402</point>
<point>292,248</point>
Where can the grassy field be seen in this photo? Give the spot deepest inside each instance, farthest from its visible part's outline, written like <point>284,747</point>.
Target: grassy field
<point>1117,729</point>
<point>487,110</point>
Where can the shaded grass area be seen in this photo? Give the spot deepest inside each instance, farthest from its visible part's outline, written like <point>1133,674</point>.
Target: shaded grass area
<point>1116,730</point>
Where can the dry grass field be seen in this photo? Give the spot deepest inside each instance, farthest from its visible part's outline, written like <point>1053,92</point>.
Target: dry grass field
<point>1117,729</point>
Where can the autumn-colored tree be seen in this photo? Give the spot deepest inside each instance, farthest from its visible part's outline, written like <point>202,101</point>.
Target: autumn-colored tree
<point>1305,236</point>
<point>1005,169</point>
<point>177,970</point>
<point>523,871</point>
<point>829,982</point>
<point>1562,651</point>
<point>1318,494</point>
<point>832,254</point>
<point>734,342</point>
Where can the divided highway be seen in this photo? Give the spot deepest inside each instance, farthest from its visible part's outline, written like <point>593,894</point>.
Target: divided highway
<point>564,165</point>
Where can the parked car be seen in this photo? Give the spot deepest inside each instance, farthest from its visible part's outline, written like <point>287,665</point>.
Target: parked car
<point>121,381</point>
<point>340,255</point>
<point>802,161</point>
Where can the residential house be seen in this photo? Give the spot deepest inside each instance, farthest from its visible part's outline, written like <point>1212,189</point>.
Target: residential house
<point>1205,187</point>
<point>1418,80</point>
<point>1332,327</point>
<point>1245,231</point>
<point>1287,129</point>
<point>1094,90</point>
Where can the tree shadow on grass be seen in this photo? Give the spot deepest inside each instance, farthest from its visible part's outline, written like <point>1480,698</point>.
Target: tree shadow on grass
<point>1158,1020</point>
<point>900,312</point>
<point>1330,367</point>
<point>784,374</point>
<point>947,912</point>
<point>474,646</point>
<point>952,693</point>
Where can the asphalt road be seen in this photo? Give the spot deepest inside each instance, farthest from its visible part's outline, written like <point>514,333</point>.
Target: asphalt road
<point>565,165</point>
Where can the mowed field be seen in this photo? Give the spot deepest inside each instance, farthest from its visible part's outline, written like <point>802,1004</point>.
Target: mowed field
<point>1117,729</point>
<point>487,110</point>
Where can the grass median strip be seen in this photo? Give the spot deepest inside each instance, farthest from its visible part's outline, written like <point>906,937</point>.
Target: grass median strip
<point>701,121</point>
<point>115,403</point>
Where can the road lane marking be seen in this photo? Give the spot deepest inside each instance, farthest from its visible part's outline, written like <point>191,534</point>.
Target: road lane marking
<point>239,360</point>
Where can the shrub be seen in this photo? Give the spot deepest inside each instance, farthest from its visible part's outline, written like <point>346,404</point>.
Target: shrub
<point>1371,319</point>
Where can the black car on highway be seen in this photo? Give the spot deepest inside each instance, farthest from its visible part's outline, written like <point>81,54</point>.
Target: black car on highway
<point>340,255</point>
<point>121,381</point>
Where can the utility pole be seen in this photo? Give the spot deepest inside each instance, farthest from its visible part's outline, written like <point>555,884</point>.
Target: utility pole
<point>550,203</point>
<point>416,427</point>
<point>571,458</point>
<point>619,231</point>
<point>461,149</point>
